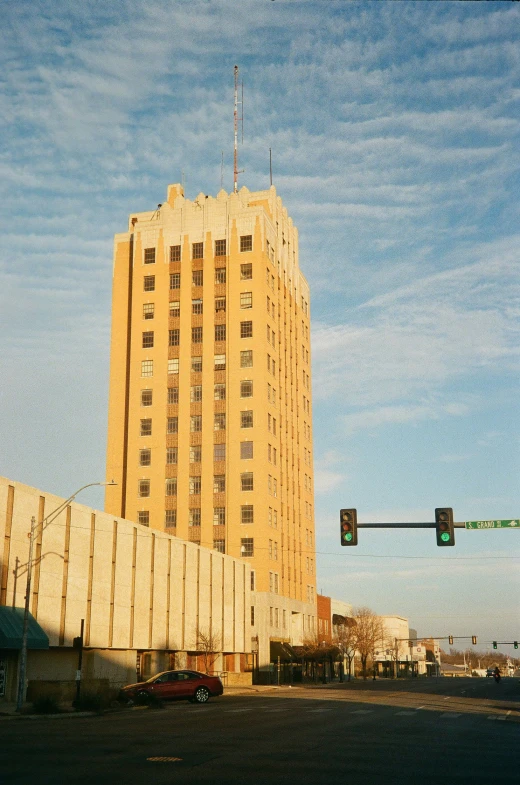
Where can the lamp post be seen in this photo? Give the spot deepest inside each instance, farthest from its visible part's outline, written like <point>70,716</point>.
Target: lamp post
<point>20,698</point>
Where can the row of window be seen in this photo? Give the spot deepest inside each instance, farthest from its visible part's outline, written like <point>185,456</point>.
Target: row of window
<point>219,423</point>
<point>148,336</point>
<point>219,363</point>
<point>197,249</point>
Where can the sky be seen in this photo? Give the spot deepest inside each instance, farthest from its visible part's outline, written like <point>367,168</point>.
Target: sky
<point>394,129</point>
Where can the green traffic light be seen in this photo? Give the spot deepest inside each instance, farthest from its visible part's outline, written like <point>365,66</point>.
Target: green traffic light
<point>347,536</point>
<point>445,536</point>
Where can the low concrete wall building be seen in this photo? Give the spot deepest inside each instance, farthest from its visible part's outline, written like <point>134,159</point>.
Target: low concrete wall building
<point>145,597</point>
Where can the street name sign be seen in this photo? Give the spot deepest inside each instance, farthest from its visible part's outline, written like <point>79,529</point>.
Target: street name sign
<point>509,524</point>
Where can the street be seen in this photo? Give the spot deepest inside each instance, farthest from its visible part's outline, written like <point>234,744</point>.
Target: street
<point>434,731</point>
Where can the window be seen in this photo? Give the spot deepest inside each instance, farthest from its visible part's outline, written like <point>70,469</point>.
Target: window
<point>252,615</point>
<point>220,421</point>
<point>246,242</point>
<point>147,368</point>
<point>148,310</point>
<point>173,365</point>
<point>220,247</point>
<point>194,517</point>
<point>197,277</point>
<point>246,419</point>
<point>268,334</point>
<point>219,545</point>
<point>246,359</point>
<point>195,453</point>
<point>246,299</point>
<point>196,364</point>
<point>246,389</point>
<point>196,393</point>
<point>171,455</point>
<point>220,275</point>
<point>219,452</point>
<point>171,486</point>
<point>219,483</point>
<point>146,427</point>
<point>175,253</point>
<point>220,304</point>
<point>175,281</point>
<point>173,395</point>
<point>197,250</point>
<point>175,309</point>
<point>172,425</point>
<point>246,329</point>
<point>145,457</point>
<point>219,516</point>
<point>275,551</point>
<point>170,519</point>
<point>220,332</point>
<point>246,513</point>
<point>149,255</point>
<point>173,337</point>
<point>146,397</point>
<point>143,517</point>
<point>196,306</point>
<point>149,283</point>
<point>246,481</point>
<point>196,423</point>
<point>270,551</point>
<point>143,488</point>
<point>247,546</point>
<point>252,580</point>
<point>246,450</point>
<point>196,334</point>
<point>219,392</point>
<point>246,272</point>
<point>195,484</point>
<point>220,362</point>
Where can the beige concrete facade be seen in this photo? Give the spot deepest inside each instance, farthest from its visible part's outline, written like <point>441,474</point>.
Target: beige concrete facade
<point>210,413</point>
<point>140,591</point>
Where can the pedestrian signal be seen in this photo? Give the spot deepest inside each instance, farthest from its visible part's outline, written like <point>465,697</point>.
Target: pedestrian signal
<point>450,640</point>
<point>444,526</point>
<point>348,527</point>
<point>474,640</point>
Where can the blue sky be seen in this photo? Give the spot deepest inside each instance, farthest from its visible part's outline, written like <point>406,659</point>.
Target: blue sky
<point>395,136</point>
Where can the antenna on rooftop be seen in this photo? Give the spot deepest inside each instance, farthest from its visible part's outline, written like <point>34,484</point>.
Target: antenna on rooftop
<point>236,170</point>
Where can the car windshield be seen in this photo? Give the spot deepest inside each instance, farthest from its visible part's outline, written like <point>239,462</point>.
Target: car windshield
<point>153,678</point>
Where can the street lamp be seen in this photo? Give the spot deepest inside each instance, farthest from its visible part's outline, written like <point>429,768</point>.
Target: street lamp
<point>34,526</point>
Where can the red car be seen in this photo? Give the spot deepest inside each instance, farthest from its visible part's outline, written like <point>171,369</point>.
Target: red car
<point>169,685</point>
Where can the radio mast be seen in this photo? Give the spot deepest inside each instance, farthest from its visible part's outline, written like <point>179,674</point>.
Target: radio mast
<point>236,170</point>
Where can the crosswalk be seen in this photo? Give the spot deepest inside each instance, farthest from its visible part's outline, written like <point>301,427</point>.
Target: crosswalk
<point>289,707</point>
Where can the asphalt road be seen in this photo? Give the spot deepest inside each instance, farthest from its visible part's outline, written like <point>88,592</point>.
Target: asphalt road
<point>447,732</point>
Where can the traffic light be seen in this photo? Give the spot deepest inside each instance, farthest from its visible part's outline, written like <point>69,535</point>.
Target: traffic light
<point>444,526</point>
<point>515,644</point>
<point>348,527</point>
<point>450,640</point>
<point>495,645</point>
<point>474,640</point>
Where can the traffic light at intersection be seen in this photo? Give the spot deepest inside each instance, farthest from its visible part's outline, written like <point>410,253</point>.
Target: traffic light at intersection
<point>515,644</point>
<point>495,645</point>
<point>474,640</point>
<point>444,526</point>
<point>348,527</point>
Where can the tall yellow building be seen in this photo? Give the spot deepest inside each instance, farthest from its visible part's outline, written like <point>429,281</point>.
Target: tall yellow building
<point>210,414</point>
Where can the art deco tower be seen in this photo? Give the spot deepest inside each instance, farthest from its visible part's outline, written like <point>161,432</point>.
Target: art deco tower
<point>210,416</point>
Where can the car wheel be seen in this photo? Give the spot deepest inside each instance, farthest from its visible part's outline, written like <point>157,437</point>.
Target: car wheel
<point>142,697</point>
<point>201,695</point>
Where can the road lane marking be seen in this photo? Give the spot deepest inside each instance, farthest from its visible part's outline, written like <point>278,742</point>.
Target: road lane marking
<point>316,711</point>
<point>363,711</point>
<point>405,713</point>
<point>451,715</point>
<point>237,711</point>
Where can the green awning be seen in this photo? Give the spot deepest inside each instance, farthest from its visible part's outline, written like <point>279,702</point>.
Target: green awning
<point>11,630</point>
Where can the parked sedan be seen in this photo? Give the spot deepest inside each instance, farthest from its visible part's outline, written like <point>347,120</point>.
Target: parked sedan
<point>170,685</point>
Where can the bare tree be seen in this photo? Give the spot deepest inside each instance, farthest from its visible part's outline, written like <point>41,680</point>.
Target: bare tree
<point>346,641</point>
<point>369,635</point>
<point>209,643</point>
